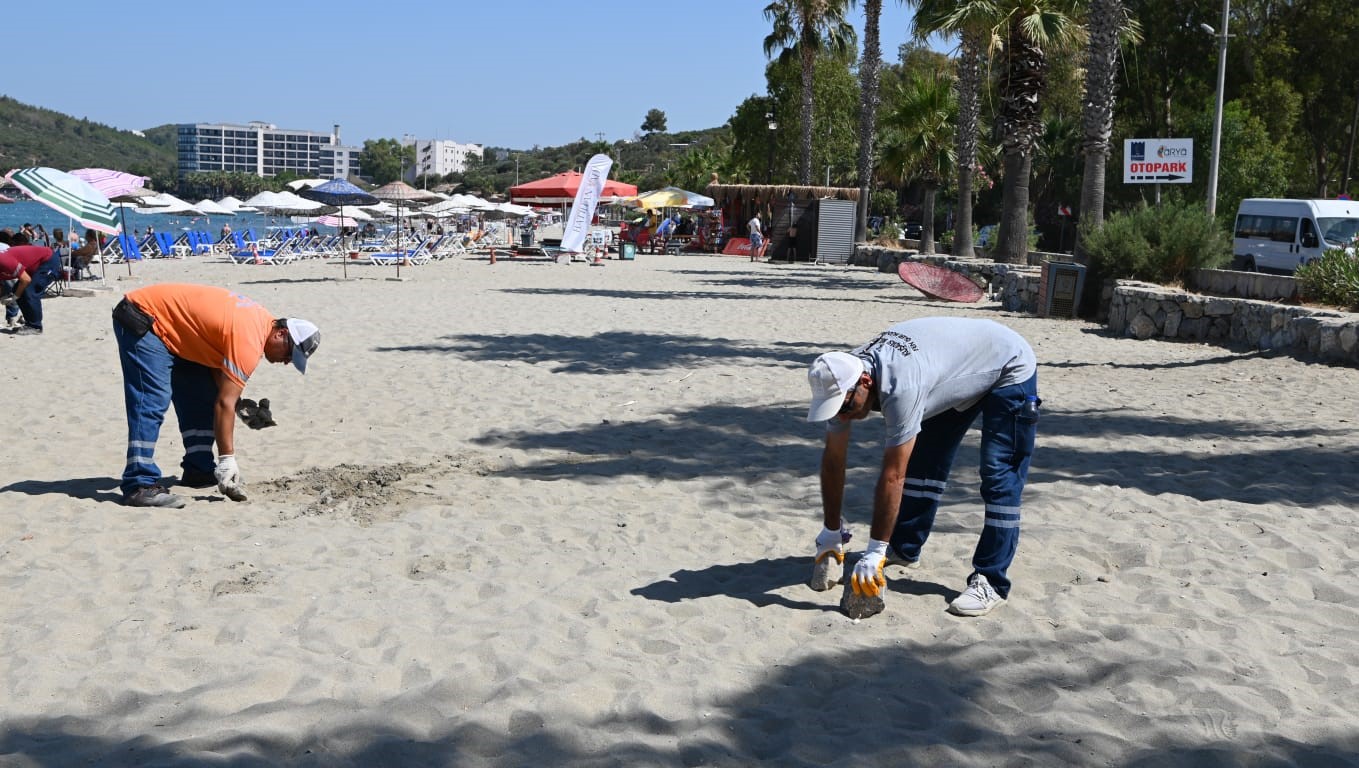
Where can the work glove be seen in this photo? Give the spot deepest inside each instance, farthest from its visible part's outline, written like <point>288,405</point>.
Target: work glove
<point>828,567</point>
<point>229,478</point>
<point>8,300</point>
<point>867,579</point>
<point>255,415</point>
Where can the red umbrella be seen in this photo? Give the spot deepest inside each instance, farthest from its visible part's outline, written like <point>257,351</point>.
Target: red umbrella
<point>561,190</point>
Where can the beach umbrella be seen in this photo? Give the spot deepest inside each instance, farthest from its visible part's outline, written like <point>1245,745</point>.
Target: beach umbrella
<point>234,205</point>
<point>401,195</point>
<point>162,203</point>
<point>339,193</point>
<point>118,187</point>
<point>70,195</point>
<point>210,208</point>
<point>671,197</point>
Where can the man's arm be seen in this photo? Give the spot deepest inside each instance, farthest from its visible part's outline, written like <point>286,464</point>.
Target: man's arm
<point>22,283</point>
<point>224,413</point>
<point>887,496</point>
<point>833,477</point>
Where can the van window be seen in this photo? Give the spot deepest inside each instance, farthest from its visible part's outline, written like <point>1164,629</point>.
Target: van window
<point>1307,236</point>
<point>1256,227</point>
<point>1338,231</point>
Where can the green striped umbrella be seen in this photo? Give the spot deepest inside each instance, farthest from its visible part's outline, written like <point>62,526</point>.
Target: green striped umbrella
<point>70,195</point>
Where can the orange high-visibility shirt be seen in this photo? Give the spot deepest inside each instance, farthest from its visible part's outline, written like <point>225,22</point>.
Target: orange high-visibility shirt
<point>208,325</point>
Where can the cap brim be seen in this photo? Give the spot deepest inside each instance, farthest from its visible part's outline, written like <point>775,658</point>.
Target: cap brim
<point>299,359</point>
<point>824,410</point>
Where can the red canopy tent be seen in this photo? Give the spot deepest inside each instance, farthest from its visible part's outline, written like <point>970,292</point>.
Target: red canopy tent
<point>561,190</point>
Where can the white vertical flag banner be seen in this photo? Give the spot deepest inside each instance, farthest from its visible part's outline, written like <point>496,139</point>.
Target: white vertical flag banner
<point>587,199</point>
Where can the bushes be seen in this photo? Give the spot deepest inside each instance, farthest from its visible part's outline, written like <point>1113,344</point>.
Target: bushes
<point>1332,279</point>
<point>1157,245</point>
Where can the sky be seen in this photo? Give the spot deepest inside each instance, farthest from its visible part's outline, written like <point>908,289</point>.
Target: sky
<point>507,73</point>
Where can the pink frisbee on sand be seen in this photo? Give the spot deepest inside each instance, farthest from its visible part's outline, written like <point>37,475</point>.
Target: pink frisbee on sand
<point>938,282</point>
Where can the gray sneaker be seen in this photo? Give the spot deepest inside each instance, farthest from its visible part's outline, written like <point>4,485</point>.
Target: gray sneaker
<point>153,496</point>
<point>894,558</point>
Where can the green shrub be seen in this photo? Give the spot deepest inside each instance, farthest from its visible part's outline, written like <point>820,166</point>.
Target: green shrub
<point>1332,279</point>
<point>1157,244</point>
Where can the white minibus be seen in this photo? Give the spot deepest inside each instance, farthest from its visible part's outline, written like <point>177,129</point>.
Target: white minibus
<point>1280,235</point>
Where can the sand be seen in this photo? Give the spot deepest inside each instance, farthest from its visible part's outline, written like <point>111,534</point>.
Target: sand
<point>539,514</point>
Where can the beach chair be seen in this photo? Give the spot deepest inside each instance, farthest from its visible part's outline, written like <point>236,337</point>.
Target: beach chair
<point>250,252</point>
<point>129,249</point>
<point>420,254</point>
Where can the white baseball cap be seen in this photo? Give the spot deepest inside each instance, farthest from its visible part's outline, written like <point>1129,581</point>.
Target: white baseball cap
<point>832,376</point>
<point>306,338</point>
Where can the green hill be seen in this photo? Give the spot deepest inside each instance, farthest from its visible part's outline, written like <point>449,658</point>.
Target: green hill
<point>32,136</point>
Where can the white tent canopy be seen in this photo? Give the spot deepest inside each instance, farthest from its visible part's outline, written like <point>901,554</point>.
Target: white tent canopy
<point>163,203</point>
<point>209,208</point>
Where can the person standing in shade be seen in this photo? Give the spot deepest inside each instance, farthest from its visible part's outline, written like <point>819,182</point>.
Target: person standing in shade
<point>195,346</point>
<point>930,378</point>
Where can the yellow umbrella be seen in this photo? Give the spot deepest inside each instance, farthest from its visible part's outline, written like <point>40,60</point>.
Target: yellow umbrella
<point>670,197</point>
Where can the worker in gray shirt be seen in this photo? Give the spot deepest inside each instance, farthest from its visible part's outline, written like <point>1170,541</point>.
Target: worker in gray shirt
<point>930,378</point>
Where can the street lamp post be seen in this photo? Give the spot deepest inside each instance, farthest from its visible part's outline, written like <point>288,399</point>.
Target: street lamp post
<point>773,129</point>
<point>1217,115</point>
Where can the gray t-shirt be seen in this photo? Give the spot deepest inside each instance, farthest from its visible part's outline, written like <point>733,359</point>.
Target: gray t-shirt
<point>924,367</point>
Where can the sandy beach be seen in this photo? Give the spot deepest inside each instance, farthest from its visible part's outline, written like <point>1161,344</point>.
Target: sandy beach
<point>539,514</point>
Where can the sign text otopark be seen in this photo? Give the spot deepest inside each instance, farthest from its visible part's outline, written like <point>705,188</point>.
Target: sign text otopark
<point>1158,161</point>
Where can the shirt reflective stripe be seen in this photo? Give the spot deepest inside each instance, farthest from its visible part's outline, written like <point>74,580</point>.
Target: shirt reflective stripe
<point>188,433</point>
<point>199,448</point>
<point>140,444</point>
<point>231,368</point>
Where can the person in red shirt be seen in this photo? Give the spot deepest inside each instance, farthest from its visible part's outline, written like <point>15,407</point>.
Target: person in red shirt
<point>195,346</point>
<point>33,268</point>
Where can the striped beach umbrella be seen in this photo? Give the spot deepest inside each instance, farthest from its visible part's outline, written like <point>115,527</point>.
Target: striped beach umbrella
<point>68,194</point>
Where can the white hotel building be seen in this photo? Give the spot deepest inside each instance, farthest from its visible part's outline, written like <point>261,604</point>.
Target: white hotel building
<point>441,157</point>
<point>265,150</point>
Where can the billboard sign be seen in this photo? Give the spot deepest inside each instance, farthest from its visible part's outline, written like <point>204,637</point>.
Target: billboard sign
<point>1158,161</point>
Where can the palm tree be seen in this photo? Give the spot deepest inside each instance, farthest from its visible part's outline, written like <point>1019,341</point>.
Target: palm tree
<point>802,28</point>
<point>1030,27</point>
<point>869,68</point>
<point>920,124</point>
<point>972,21</point>
<point>1106,22</point>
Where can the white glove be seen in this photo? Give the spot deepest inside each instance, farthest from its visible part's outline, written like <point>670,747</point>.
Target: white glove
<point>868,580</point>
<point>832,541</point>
<point>8,300</point>
<point>229,478</point>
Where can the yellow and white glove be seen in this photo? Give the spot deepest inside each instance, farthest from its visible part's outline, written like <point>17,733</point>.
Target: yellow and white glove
<point>832,544</point>
<point>867,579</point>
<point>229,478</point>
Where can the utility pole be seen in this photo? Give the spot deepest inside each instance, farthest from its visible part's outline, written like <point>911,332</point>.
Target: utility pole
<point>1217,115</point>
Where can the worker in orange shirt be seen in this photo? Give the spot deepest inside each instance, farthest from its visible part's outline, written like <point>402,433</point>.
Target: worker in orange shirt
<point>195,346</point>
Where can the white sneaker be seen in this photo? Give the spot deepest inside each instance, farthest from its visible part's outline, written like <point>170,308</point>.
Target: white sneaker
<point>977,600</point>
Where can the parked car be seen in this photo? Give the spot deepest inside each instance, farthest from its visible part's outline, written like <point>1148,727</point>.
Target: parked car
<point>911,230</point>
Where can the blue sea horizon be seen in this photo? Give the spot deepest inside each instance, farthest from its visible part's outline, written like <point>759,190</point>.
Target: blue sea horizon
<point>32,212</point>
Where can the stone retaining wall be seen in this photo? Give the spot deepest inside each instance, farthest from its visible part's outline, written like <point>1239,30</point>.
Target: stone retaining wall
<point>1245,285</point>
<point>1144,311</point>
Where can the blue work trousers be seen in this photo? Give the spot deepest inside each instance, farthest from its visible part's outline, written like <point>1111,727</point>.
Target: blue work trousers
<point>1007,441</point>
<point>30,301</point>
<point>153,378</point>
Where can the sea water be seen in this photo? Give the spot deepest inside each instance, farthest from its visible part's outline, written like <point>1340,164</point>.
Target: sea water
<point>32,212</point>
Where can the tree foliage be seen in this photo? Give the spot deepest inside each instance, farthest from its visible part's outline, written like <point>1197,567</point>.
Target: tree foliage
<point>654,122</point>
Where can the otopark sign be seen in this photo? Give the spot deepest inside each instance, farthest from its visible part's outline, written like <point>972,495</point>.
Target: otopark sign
<point>1158,161</point>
